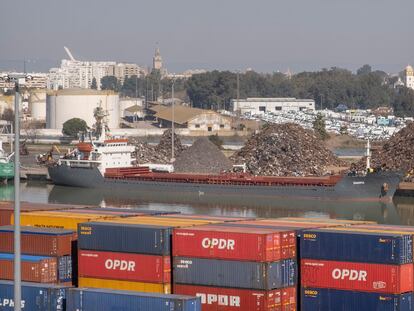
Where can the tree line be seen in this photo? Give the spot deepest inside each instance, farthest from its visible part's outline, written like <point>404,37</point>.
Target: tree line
<point>328,87</point>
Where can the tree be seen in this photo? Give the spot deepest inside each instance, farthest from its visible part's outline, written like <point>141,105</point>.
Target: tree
<point>110,83</point>
<point>73,126</point>
<point>7,115</point>
<point>319,127</point>
<point>366,69</point>
<point>94,86</point>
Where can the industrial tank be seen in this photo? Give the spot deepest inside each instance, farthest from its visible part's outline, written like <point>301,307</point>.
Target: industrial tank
<point>66,104</point>
<point>37,104</point>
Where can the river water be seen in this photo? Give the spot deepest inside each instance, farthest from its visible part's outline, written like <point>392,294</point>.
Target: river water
<point>400,212</point>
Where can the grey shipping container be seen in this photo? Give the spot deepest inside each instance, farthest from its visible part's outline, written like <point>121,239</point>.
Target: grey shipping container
<point>65,269</point>
<point>236,274</point>
<point>124,238</point>
<point>108,300</point>
<point>35,297</point>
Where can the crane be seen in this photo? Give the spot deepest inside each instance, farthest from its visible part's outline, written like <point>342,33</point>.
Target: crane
<point>69,54</point>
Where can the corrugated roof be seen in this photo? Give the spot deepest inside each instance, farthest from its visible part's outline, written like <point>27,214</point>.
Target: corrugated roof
<point>134,108</point>
<point>182,114</point>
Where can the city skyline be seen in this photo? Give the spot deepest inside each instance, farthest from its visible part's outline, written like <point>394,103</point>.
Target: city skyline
<point>231,35</point>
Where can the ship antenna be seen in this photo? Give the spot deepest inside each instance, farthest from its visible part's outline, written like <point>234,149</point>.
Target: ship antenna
<point>368,156</point>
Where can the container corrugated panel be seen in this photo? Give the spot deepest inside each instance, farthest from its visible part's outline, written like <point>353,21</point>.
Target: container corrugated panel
<point>65,269</point>
<point>223,299</point>
<point>125,266</point>
<point>380,278</point>
<point>48,219</point>
<point>324,299</point>
<point>163,288</point>
<point>124,238</point>
<point>34,268</point>
<point>237,274</point>
<point>348,245</point>
<point>35,297</point>
<point>7,208</point>
<point>239,243</point>
<point>103,300</point>
<point>38,241</point>
<point>288,237</point>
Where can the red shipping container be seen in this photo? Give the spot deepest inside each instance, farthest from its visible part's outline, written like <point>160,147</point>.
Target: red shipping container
<point>232,299</point>
<point>379,278</point>
<point>39,271</point>
<point>239,243</point>
<point>124,266</point>
<point>39,243</point>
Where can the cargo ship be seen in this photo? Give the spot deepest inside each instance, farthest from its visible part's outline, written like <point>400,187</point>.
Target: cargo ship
<point>109,164</point>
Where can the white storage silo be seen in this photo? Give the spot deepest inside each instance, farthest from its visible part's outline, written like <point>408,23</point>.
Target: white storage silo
<point>66,104</point>
<point>37,104</point>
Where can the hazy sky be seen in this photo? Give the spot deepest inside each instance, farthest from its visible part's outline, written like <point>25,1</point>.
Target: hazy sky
<point>212,34</point>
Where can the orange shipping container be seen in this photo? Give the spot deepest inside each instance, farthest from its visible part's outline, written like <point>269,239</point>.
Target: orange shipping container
<point>125,285</point>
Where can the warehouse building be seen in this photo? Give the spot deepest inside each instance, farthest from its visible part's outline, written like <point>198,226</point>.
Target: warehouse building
<point>193,119</point>
<point>262,105</point>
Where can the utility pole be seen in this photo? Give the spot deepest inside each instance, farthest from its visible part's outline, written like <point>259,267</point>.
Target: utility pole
<point>173,121</point>
<point>17,80</point>
<point>238,89</point>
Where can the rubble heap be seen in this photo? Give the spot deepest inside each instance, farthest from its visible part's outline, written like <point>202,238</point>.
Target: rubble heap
<point>286,150</point>
<point>395,154</point>
<point>202,157</point>
<point>161,153</point>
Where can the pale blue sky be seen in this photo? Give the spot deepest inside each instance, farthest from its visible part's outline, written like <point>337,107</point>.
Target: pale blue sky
<point>228,34</point>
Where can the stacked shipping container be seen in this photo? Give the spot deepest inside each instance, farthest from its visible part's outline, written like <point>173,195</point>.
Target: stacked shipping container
<point>232,267</point>
<point>131,253</point>
<point>343,267</point>
<point>47,254</point>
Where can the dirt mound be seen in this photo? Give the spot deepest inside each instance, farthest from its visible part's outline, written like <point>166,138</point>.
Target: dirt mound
<point>286,150</point>
<point>396,154</point>
<point>202,157</point>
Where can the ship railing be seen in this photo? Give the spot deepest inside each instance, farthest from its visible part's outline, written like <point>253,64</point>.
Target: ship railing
<point>80,163</point>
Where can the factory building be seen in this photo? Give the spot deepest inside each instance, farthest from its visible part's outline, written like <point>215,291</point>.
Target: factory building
<point>262,105</point>
<point>66,104</point>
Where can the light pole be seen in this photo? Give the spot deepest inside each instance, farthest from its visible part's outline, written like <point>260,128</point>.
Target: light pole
<point>173,119</point>
<point>18,80</point>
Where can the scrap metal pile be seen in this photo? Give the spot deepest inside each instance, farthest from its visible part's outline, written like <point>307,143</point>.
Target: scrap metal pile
<point>286,150</point>
<point>161,153</point>
<point>396,154</point>
<point>202,157</point>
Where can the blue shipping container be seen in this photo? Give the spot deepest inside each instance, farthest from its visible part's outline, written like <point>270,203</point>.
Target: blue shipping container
<point>324,299</point>
<point>236,274</point>
<point>125,238</point>
<point>35,297</point>
<point>109,300</point>
<point>372,247</point>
